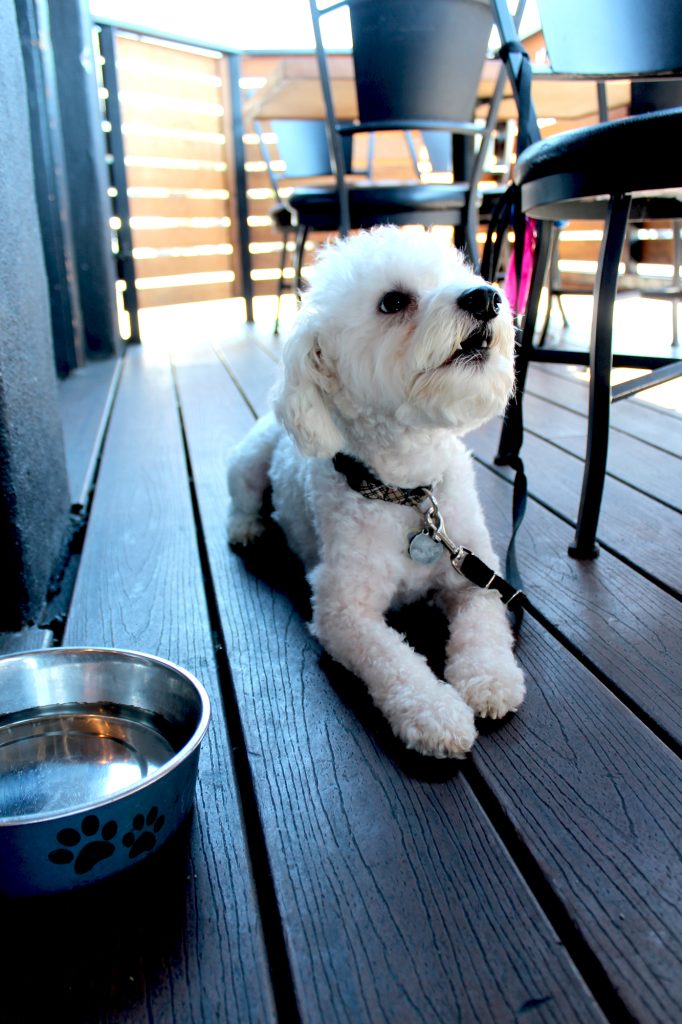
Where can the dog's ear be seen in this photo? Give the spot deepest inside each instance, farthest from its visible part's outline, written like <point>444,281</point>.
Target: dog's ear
<point>301,402</point>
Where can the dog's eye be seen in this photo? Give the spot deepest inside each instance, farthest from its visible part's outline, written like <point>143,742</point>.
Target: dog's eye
<point>393,302</point>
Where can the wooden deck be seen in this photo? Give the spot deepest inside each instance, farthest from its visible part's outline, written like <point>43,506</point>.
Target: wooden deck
<point>327,875</point>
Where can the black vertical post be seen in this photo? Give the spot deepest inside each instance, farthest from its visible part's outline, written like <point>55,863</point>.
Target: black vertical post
<point>50,182</point>
<point>87,175</point>
<point>235,149</point>
<point>126,263</point>
<point>602,102</point>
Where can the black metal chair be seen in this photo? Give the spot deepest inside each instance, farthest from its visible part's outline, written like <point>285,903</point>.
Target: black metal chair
<point>297,149</point>
<point>417,65</point>
<point>439,151</point>
<point>616,172</point>
<point>646,97</point>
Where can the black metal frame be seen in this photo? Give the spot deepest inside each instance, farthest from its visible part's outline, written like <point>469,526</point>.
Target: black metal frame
<point>560,197</point>
<point>233,61</point>
<point>124,256</point>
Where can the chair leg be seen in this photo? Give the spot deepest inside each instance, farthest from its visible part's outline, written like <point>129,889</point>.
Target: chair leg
<point>301,235</point>
<point>552,284</point>
<point>512,428</point>
<point>606,284</point>
<point>281,285</point>
<point>562,311</point>
<point>677,259</point>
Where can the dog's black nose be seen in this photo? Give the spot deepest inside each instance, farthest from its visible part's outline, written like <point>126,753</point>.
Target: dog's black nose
<point>483,302</point>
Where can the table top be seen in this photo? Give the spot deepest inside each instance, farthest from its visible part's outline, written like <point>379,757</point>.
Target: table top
<point>294,90</point>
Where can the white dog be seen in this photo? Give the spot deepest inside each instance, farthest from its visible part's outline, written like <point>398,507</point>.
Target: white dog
<point>397,350</point>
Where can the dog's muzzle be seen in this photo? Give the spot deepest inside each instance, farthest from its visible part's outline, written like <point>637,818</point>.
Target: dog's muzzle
<point>483,302</point>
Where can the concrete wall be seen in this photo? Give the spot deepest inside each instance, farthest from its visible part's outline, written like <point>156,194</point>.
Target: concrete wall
<point>34,499</point>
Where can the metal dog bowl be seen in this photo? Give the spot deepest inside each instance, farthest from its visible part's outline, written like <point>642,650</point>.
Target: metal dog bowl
<point>99,752</point>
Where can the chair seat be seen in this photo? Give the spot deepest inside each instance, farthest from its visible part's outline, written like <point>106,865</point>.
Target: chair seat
<point>631,155</point>
<point>319,207</point>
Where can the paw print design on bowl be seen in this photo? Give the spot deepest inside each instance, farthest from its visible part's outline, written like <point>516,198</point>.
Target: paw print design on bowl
<point>142,836</point>
<point>86,847</point>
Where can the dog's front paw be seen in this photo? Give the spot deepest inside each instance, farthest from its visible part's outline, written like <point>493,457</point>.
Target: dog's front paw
<point>490,691</point>
<point>440,725</point>
<point>244,529</point>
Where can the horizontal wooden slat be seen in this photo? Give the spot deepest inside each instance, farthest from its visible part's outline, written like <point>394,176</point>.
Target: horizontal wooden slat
<point>656,251</point>
<point>162,238</point>
<point>171,117</point>
<point>260,261</point>
<point>184,61</point>
<point>139,77</point>
<point>174,177</point>
<point>148,144</point>
<point>191,293</point>
<point>266,233</point>
<point>578,250</point>
<point>178,206</point>
<point>262,288</point>
<point>199,264</point>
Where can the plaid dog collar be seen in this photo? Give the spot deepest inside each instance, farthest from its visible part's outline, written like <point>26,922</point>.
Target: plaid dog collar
<point>464,561</point>
<point>361,479</point>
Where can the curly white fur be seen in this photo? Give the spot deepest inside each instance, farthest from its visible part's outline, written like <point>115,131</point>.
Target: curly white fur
<point>386,389</point>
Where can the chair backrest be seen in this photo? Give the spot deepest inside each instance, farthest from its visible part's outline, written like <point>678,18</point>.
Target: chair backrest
<point>418,60</point>
<point>439,147</point>
<point>597,39</point>
<point>623,38</point>
<point>660,95</point>
<point>301,148</point>
<point>417,63</point>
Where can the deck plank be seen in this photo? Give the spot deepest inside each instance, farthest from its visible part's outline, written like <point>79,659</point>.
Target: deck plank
<point>595,798</point>
<point>633,462</point>
<point>624,625</point>
<point>660,428</point>
<point>631,524</point>
<point>85,398</point>
<point>391,888</point>
<point>255,371</point>
<point>180,941</point>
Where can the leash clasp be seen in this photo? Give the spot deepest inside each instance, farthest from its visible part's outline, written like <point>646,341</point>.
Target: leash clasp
<point>457,557</point>
<point>436,527</point>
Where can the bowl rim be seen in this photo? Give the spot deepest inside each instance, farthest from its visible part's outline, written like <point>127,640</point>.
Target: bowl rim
<point>182,755</point>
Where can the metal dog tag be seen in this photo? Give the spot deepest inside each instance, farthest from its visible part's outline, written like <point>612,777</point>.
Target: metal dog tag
<point>423,548</point>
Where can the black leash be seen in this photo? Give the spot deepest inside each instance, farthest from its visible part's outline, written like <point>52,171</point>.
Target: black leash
<point>362,480</point>
<point>507,214</point>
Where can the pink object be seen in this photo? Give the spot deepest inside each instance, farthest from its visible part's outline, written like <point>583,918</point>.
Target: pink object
<point>518,294</point>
